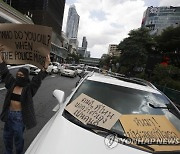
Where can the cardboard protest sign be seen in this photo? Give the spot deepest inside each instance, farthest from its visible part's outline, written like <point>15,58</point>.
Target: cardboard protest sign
<point>25,43</point>
<point>91,111</point>
<point>155,130</point>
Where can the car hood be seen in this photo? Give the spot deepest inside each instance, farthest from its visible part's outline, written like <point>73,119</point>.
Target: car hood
<point>62,136</point>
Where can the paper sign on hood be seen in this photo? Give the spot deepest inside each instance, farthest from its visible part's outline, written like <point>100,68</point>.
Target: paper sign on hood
<point>91,111</point>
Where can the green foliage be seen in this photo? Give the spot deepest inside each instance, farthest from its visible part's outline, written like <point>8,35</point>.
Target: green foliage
<point>135,48</point>
<point>105,62</point>
<point>167,76</point>
<point>123,70</point>
<point>142,75</point>
<point>169,40</point>
<point>138,41</point>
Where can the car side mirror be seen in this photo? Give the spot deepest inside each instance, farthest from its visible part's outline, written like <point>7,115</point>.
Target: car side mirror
<point>59,95</point>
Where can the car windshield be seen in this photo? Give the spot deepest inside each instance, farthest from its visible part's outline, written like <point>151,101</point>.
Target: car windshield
<point>126,100</point>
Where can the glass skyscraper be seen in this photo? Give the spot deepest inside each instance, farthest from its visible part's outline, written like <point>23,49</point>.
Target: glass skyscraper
<point>72,23</point>
<point>159,18</point>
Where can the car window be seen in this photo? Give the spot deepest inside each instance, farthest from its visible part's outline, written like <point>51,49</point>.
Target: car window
<point>126,100</point>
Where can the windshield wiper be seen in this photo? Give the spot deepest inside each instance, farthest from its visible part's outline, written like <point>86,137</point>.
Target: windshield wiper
<point>113,132</point>
<point>92,128</point>
<point>169,107</point>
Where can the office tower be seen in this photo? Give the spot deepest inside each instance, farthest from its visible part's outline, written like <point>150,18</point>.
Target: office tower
<point>88,54</point>
<point>113,50</point>
<point>72,23</point>
<point>83,50</point>
<point>159,18</point>
<point>84,42</point>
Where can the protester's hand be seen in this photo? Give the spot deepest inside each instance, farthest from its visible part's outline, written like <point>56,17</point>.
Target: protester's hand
<point>47,62</point>
<point>1,56</point>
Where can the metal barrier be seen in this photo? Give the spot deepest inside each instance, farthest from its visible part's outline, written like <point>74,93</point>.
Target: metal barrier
<point>174,95</point>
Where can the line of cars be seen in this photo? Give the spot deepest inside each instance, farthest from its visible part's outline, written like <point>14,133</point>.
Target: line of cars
<point>61,69</point>
<point>53,68</point>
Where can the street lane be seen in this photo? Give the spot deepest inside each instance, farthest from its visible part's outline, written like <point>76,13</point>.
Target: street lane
<point>44,103</point>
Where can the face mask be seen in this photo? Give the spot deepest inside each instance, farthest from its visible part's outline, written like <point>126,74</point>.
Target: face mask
<point>21,81</point>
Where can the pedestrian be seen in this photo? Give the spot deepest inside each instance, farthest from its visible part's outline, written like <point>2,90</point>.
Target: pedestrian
<point>18,110</point>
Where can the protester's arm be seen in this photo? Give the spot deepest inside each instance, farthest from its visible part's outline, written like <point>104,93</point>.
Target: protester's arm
<point>4,72</point>
<point>36,80</point>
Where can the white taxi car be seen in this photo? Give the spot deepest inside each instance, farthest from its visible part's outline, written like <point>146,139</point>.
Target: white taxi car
<point>67,133</point>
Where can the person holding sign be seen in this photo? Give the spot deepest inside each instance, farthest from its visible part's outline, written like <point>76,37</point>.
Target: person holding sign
<point>18,111</point>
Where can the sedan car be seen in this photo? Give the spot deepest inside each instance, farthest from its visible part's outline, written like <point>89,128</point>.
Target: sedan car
<point>56,66</point>
<point>97,114</point>
<point>70,71</point>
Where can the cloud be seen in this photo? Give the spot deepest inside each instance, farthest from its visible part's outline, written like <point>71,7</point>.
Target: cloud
<point>105,22</point>
<point>169,3</point>
<point>110,22</point>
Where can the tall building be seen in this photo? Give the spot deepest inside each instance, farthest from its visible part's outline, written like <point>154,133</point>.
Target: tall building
<point>113,50</point>
<point>42,12</point>
<point>72,22</point>
<point>74,45</point>
<point>83,50</point>
<point>159,18</point>
<point>84,42</point>
<point>88,54</point>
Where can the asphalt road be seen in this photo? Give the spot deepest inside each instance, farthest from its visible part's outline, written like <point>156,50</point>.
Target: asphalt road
<point>44,103</point>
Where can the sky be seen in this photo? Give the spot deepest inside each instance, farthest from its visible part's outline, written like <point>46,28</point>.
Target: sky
<point>105,22</point>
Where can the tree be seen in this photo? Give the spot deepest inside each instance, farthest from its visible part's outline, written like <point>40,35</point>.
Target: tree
<point>168,44</point>
<point>109,62</point>
<point>168,76</point>
<point>169,40</point>
<point>105,62</point>
<point>135,49</point>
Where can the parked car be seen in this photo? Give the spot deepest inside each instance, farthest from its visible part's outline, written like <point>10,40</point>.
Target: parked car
<point>52,69</point>
<point>33,69</point>
<point>13,69</point>
<point>67,133</point>
<point>70,71</point>
<point>79,69</point>
<point>55,67</point>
